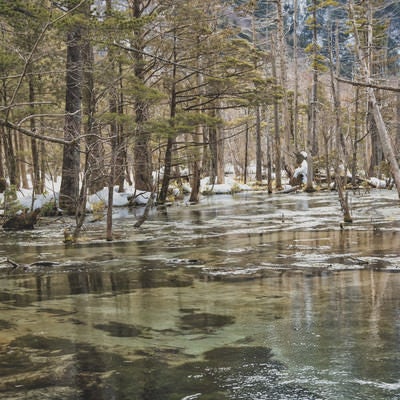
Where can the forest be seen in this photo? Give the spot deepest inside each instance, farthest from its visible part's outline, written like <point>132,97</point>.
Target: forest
<point>160,94</point>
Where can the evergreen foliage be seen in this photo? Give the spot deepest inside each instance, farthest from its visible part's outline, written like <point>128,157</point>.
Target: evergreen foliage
<point>161,82</point>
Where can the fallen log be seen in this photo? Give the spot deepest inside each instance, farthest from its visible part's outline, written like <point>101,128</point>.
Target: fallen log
<point>24,221</point>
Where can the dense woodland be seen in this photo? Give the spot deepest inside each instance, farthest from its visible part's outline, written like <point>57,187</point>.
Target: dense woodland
<point>150,92</point>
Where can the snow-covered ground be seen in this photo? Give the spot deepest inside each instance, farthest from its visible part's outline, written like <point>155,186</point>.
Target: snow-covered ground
<point>27,200</point>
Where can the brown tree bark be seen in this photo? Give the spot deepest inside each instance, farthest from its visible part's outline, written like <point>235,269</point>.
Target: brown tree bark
<point>93,144</point>
<point>69,190</point>
<point>36,176</point>
<point>387,146</point>
<point>142,163</point>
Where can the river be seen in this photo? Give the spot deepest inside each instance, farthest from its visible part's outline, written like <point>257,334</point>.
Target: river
<point>250,296</point>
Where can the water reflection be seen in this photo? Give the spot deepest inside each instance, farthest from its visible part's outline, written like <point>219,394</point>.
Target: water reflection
<point>238,303</point>
<point>327,331</point>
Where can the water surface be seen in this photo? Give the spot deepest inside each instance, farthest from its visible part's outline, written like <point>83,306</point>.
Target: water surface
<point>240,297</point>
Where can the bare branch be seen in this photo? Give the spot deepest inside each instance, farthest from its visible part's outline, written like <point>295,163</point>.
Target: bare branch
<point>368,85</point>
<point>36,44</point>
<point>15,105</point>
<point>35,135</point>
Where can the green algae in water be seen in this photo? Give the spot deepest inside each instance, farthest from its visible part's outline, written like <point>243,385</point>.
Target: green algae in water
<point>84,372</point>
<point>6,324</point>
<point>119,329</point>
<point>44,344</point>
<point>15,360</point>
<point>205,321</point>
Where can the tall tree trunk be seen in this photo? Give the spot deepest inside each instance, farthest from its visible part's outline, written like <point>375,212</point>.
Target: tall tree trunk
<point>9,154</point>
<point>69,190</point>
<point>296,78</point>
<point>110,200</point>
<point>195,156</point>
<point>269,157</point>
<point>220,157</point>
<point>93,145</point>
<point>42,166</point>
<point>281,45</point>
<point>312,134</point>
<point>3,182</point>
<point>246,153</point>
<point>313,144</point>
<point>356,137</point>
<point>11,161</point>
<point>212,135</point>
<point>341,158</point>
<point>171,136</point>
<point>277,134</point>
<point>216,145</point>
<point>20,143</point>
<point>258,146</point>
<point>258,119</point>
<point>397,142</point>
<point>376,149</point>
<point>380,124</point>
<point>122,157</point>
<point>141,152</point>
<point>36,177</point>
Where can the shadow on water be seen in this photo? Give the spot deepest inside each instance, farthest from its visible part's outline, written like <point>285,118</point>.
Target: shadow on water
<point>250,298</point>
<point>54,369</point>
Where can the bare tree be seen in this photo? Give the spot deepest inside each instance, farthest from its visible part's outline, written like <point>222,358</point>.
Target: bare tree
<point>384,137</point>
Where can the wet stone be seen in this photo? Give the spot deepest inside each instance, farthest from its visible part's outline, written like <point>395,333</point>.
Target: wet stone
<point>5,324</point>
<point>205,321</point>
<point>12,360</point>
<point>118,329</point>
<point>45,344</point>
<point>56,312</point>
<point>239,355</point>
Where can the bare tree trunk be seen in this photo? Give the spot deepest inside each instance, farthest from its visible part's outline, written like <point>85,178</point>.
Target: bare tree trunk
<point>258,146</point>
<point>42,165</point>
<point>69,190</point>
<point>94,148</point>
<point>142,152</point>
<point>21,160</point>
<point>110,200</point>
<point>312,140</point>
<point>313,144</point>
<point>356,138</point>
<point>196,176</point>
<point>36,177</point>
<point>341,150</point>
<point>11,161</point>
<point>3,182</point>
<point>171,136</point>
<point>122,155</point>
<point>220,157</point>
<point>296,78</point>
<point>310,165</point>
<point>380,124</point>
<point>277,134</point>
<point>212,143</point>
<point>281,45</point>
<point>343,199</point>
<point>269,158</point>
<point>398,120</point>
<point>80,212</point>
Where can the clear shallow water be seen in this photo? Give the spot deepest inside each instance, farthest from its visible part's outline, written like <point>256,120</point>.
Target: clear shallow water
<point>244,297</point>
